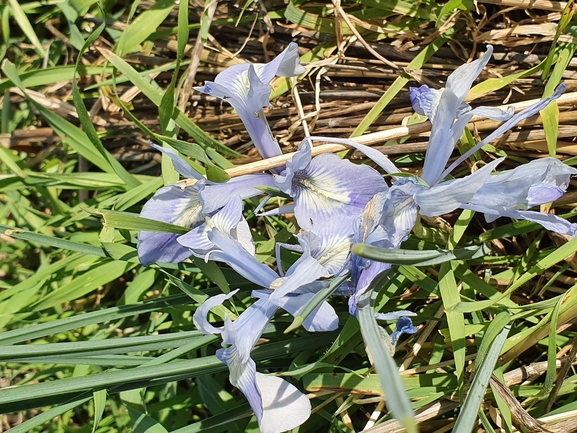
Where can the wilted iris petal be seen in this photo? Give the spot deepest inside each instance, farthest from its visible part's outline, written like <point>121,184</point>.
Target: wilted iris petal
<point>180,164</point>
<point>538,182</point>
<point>171,204</point>
<point>404,327</point>
<point>246,87</point>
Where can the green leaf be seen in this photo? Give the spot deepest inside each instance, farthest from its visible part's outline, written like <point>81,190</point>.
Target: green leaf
<point>155,95</point>
<point>396,396</point>
<point>87,124</point>
<point>130,221</point>
<point>48,416</point>
<point>467,419</point>
<point>72,135</point>
<point>26,27</point>
<point>41,239</point>
<point>99,405</point>
<point>416,257</point>
<point>143,26</point>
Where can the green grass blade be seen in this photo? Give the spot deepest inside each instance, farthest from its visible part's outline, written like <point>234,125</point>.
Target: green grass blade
<point>155,95</point>
<point>143,26</point>
<point>48,416</point>
<point>26,27</point>
<point>467,419</point>
<point>396,396</point>
<point>114,313</point>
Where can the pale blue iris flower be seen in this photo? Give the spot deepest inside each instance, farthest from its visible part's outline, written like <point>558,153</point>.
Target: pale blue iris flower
<point>277,404</point>
<point>188,206</point>
<point>391,215</point>
<point>225,236</point>
<point>246,87</point>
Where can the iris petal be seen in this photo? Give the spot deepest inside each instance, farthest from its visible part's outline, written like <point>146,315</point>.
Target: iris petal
<point>172,204</point>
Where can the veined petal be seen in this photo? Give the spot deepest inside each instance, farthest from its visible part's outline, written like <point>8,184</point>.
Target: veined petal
<point>304,271</point>
<point>330,187</point>
<point>285,407</point>
<point>300,160</point>
<point>238,258</point>
<point>200,315</point>
<point>180,164</point>
<point>448,196</point>
<point>243,377</point>
<point>175,205</point>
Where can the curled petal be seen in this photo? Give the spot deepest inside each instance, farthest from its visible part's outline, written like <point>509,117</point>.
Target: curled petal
<point>200,315</point>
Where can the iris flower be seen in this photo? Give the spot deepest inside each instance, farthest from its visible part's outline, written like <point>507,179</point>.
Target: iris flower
<point>390,215</point>
<point>277,404</point>
<point>246,87</point>
<point>188,206</point>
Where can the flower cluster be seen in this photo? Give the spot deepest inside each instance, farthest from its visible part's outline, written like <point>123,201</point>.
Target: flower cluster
<point>336,203</point>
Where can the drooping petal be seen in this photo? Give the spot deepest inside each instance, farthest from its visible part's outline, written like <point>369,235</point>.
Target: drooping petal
<point>171,204</point>
<point>386,222</point>
<point>217,195</point>
<point>537,182</point>
<point>448,196</point>
<point>238,258</point>
<point>269,399</point>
